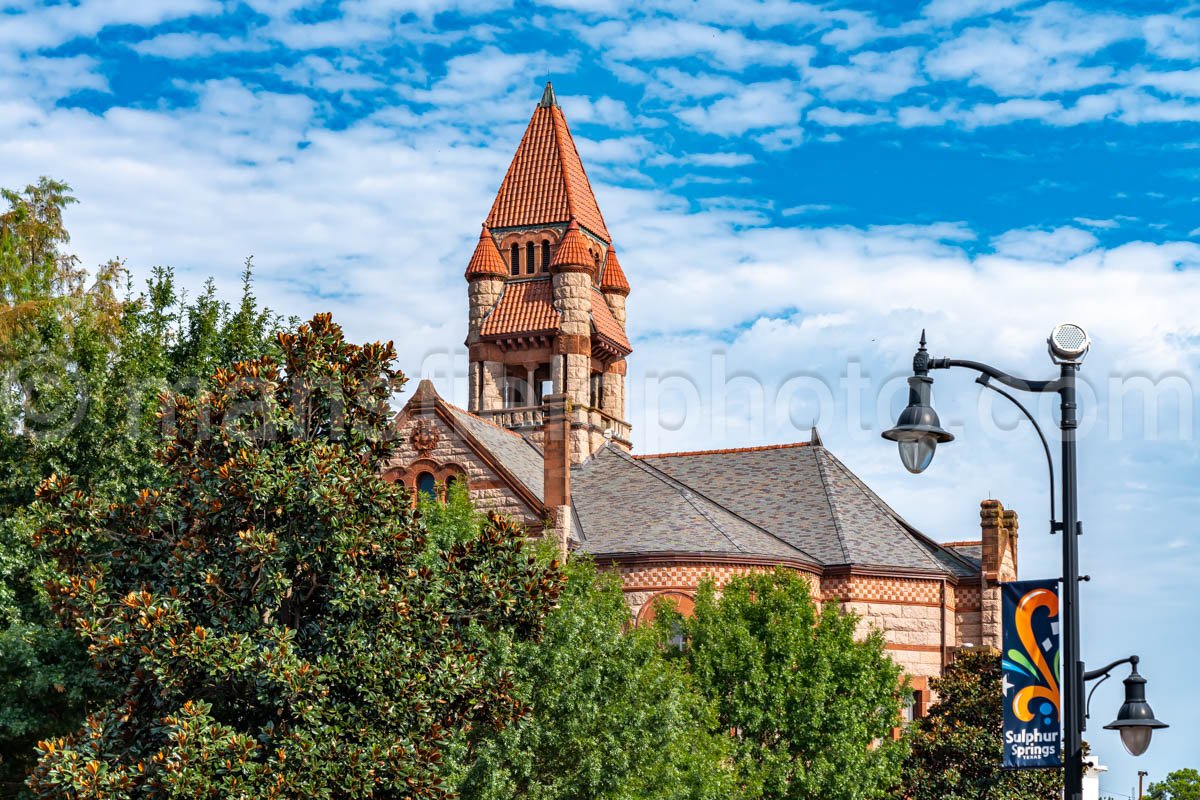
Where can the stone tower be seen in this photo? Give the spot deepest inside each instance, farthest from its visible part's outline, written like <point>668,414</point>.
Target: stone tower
<point>547,297</point>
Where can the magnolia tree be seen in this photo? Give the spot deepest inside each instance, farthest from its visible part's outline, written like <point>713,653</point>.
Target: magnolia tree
<point>272,613</point>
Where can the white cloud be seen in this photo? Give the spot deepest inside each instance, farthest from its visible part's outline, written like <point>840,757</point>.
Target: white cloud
<point>754,106</point>
<point>661,40</point>
<point>1053,246</point>
<point>44,26</point>
<point>1043,51</point>
<point>47,79</point>
<point>869,75</point>
<point>196,45</point>
<point>837,118</point>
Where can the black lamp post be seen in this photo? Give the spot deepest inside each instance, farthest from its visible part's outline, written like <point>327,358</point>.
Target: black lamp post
<point>918,432</point>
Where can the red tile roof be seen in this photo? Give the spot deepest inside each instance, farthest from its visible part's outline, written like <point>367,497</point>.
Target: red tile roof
<point>524,308</point>
<point>487,259</point>
<point>546,182</point>
<point>573,249</point>
<point>606,324</point>
<point>614,277</point>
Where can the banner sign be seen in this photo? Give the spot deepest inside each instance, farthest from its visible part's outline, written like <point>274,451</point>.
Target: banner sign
<point>1030,675</point>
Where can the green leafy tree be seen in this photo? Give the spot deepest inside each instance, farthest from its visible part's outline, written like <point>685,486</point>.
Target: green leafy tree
<point>810,706</point>
<point>81,372</point>
<point>957,749</point>
<point>267,612</point>
<point>1182,784</point>
<point>611,717</point>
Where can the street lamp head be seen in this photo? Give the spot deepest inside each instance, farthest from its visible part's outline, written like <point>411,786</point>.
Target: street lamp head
<point>918,430</point>
<point>1135,721</point>
<point>1069,343</point>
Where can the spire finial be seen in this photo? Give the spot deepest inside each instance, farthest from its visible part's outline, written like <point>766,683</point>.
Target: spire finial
<point>922,338</point>
<point>548,98</point>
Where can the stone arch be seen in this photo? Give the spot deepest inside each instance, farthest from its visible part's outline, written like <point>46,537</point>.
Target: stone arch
<point>683,602</point>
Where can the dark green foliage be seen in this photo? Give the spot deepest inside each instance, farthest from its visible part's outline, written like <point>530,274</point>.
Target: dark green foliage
<point>611,717</point>
<point>81,372</point>
<point>267,612</point>
<point>956,750</point>
<point>811,708</point>
<point>1182,784</point>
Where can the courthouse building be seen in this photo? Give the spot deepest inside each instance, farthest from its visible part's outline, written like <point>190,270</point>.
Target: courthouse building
<point>545,439</point>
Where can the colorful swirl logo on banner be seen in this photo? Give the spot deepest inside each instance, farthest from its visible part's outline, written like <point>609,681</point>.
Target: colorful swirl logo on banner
<point>1030,661</point>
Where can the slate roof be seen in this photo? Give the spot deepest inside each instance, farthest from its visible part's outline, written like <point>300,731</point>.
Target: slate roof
<point>514,451</point>
<point>546,182</point>
<point>627,506</point>
<point>805,496</point>
<point>791,502</point>
<point>525,307</point>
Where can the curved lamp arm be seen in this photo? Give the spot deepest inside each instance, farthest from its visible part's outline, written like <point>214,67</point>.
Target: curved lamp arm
<point>984,380</point>
<point>1104,673</point>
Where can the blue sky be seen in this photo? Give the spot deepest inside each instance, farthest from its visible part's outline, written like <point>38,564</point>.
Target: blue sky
<point>796,189</point>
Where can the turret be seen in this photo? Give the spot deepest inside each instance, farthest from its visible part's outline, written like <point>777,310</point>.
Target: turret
<point>540,323</point>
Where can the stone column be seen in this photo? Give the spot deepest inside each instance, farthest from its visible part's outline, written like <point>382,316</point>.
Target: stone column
<point>556,477</point>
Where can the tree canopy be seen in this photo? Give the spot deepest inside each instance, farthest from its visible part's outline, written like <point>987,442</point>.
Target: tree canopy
<point>1182,784</point>
<point>957,748</point>
<point>811,706</point>
<point>81,371</point>
<point>611,717</point>
<point>267,613</point>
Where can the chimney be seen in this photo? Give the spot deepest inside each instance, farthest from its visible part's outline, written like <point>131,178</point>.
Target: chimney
<point>998,529</point>
<point>556,449</point>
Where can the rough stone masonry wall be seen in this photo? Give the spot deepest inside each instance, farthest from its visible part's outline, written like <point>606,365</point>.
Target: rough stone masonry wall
<point>488,491</point>
<point>914,614</point>
<point>643,581</point>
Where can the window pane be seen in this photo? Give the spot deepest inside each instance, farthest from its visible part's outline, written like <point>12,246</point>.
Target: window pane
<point>530,261</point>
<point>515,263</point>
<point>426,485</point>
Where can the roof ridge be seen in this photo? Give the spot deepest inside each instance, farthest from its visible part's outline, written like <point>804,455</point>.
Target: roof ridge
<point>882,505</point>
<point>558,153</point>
<point>752,449</point>
<point>687,496</point>
<point>484,420</point>
<point>833,512</point>
<point>964,543</point>
<point>670,479</point>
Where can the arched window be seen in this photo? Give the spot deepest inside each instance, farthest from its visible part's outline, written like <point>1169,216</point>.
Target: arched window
<point>545,255</point>
<point>530,259</point>
<point>426,484</point>
<point>515,262</point>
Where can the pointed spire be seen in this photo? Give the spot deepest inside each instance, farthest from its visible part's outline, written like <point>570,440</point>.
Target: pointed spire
<point>614,280</point>
<point>546,183</point>
<point>572,254</point>
<point>814,438</point>
<point>486,261</point>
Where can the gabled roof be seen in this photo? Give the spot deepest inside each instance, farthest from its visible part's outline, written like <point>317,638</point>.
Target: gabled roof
<point>546,182</point>
<point>525,307</point>
<point>628,507</point>
<point>805,496</point>
<point>510,454</point>
<point>513,450</point>
<point>486,260</point>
